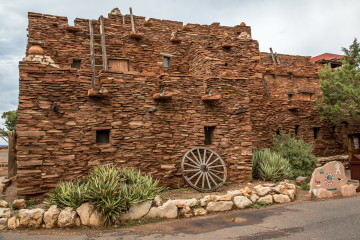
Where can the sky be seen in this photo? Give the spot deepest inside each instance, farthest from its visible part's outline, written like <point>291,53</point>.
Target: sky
<point>296,27</point>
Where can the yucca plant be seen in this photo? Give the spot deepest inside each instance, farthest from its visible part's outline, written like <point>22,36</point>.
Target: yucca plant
<point>268,165</point>
<point>68,194</point>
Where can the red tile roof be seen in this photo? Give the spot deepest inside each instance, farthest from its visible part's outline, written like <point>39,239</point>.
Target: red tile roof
<point>325,56</point>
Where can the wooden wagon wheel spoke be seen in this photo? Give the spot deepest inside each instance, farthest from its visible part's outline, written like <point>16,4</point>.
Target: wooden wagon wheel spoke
<point>203,169</point>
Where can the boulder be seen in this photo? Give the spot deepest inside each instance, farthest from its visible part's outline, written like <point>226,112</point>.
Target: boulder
<point>254,197</point>
<point>242,202</point>
<point>77,222</point>
<point>200,212</point>
<point>84,212</point>
<point>167,210</point>
<point>31,218</point>
<point>204,201</point>
<point>281,198</point>
<point>67,217</point>
<point>3,223</point>
<point>234,193</point>
<point>262,191</point>
<point>220,206</point>
<point>278,188</point>
<point>4,204</point>
<point>158,201</point>
<point>348,190</point>
<point>323,193</point>
<point>136,212</point>
<point>51,217</point>
<point>181,203</point>
<point>268,199</point>
<point>246,191</point>
<point>5,212</point>
<point>13,223</point>
<point>288,185</point>
<point>300,180</point>
<point>186,212</point>
<point>96,219</point>
<point>291,194</point>
<point>19,204</point>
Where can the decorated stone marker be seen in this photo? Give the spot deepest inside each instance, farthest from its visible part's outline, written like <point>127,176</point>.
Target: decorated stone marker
<point>331,177</point>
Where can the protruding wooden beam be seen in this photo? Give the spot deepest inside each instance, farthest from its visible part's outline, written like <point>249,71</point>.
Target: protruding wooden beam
<point>272,55</point>
<point>132,21</point>
<point>103,45</point>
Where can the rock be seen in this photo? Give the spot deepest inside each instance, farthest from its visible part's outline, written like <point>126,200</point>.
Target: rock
<point>278,188</point>
<point>288,185</point>
<point>246,191</point>
<point>215,198</point>
<point>13,223</point>
<point>220,206</point>
<point>51,217</point>
<point>181,203</point>
<point>19,204</point>
<point>3,223</point>
<point>204,201</point>
<point>185,210</point>
<point>5,212</point>
<point>355,183</point>
<point>136,212</point>
<point>84,212</point>
<point>31,218</point>
<point>281,198</point>
<point>200,212</point>
<point>254,197</point>
<point>268,185</point>
<point>291,194</point>
<point>167,210</point>
<point>268,199</point>
<point>323,193</point>
<point>262,191</point>
<point>96,219</point>
<point>4,204</point>
<point>235,193</point>
<point>158,201</point>
<point>348,190</point>
<point>67,217</point>
<point>2,188</point>
<point>242,202</point>
<point>300,180</point>
<point>77,222</point>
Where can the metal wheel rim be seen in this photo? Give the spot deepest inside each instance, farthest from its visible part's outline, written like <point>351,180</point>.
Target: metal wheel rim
<point>203,169</point>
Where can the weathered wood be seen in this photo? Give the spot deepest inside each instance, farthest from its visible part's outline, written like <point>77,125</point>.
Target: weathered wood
<point>92,55</point>
<point>123,17</point>
<point>277,58</point>
<point>103,45</point>
<point>265,87</point>
<point>132,21</point>
<point>272,55</point>
<point>12,165</point>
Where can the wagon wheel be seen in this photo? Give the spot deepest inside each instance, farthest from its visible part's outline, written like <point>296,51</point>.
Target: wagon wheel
<point>203,169</point>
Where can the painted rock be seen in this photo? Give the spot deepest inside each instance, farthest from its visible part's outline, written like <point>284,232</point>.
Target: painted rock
<point>331,177</point>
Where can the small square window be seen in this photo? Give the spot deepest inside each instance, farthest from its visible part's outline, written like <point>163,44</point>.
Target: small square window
<point>296,130</point>
<point>316,132</point>
<point>209,135</point>
<point>102,137</point>
<point>166,62</point>
<point>76,63</point>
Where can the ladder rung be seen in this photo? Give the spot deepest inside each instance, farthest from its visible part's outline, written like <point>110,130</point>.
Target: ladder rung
<point>96,55</point>
<point>98,44</point>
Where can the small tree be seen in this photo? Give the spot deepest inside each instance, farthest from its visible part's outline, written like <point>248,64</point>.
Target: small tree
<point>341,88</point>
<point>10,123</point>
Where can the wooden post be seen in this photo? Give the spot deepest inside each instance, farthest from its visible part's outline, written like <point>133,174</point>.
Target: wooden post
<point>92,55</point>
<point>132,21</point>
<point>103,45</point>
<point>272,55</point>
<point>265,87</point>
<point>277,58</point>
<point>12,165</point>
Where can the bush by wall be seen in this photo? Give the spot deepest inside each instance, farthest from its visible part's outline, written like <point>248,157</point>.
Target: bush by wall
<point>268,165</point>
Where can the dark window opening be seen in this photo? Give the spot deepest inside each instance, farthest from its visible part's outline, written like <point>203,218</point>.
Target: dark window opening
<point>278,132</point>
<point>290,96</point>
<point>296,130</point>
<point>166,62</point>
<point>102,136</point>
<point>225,64</point>
<point>209,135</point>
<point>316,132</point>
<point>333,129</point>
<point>76,63</point>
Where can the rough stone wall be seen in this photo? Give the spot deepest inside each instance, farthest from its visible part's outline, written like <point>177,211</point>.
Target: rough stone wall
<point>145,133</point>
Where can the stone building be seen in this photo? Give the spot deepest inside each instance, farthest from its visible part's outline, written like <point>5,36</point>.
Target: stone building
<point>140,93</point>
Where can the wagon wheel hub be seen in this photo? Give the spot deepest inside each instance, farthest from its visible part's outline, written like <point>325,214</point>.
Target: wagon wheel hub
<point>203,169</point>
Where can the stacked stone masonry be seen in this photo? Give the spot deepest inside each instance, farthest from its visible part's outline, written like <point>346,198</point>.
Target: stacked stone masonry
<point>58,120</point>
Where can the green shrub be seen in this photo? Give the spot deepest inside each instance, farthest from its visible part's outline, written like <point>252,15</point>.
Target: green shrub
<point>299,154</point>
<point>305,186</point>
<point>268,165</point>
<point>111,190</point>
<point>67,194</point>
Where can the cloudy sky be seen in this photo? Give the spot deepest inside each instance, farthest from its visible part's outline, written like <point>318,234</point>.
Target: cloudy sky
<point>298,27</point>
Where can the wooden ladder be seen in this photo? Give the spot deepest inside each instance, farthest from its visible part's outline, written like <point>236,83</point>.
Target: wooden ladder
<point>93,55</point>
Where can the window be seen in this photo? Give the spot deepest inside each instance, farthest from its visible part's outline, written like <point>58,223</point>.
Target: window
<point>119,65</point>
<point>278,132</point>
<point>306,95</point>
<point>102,137</point>
<point>316,132</point>
<point>296,130</point>
<point>209,135</point>
<point>166,62</point>
<point>76,63</point>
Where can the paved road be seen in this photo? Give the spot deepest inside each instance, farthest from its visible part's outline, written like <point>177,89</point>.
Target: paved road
<point>330,219</point>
